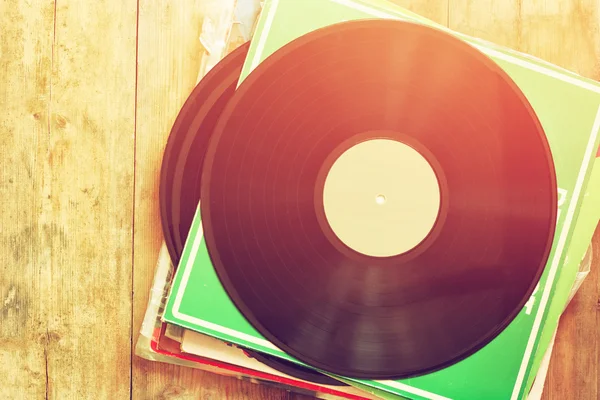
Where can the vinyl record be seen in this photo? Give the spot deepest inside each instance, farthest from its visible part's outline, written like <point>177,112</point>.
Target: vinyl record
<point>379,199</point>
<point>292,369</point>
<point>182,167</point>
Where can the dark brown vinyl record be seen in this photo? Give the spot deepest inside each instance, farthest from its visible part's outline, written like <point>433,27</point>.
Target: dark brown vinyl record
<point>182,167</point>
<point>320,245</point>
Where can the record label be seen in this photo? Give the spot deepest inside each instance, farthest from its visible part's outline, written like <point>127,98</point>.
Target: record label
<point>381,197</point>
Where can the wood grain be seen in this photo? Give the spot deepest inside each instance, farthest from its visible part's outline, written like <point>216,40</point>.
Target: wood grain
<point>88,199</point>
<point>68,82</point>
<point>435,10</point>
<point>563,32</point>
<point>25,71</point>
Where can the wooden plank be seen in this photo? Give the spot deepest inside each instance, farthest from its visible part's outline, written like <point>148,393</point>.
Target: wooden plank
<point>88,199</point>
<point>68,90</point>
<point>169,59</point>
<point>87,209</point>
<point>25,59</point>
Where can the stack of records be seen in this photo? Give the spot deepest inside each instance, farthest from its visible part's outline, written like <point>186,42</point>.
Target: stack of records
<point>359,203</point>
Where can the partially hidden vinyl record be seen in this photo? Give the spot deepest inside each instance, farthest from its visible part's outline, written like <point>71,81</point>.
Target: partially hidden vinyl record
<point>179,190</point>
<point>182,167</point>
<point>379,199</point>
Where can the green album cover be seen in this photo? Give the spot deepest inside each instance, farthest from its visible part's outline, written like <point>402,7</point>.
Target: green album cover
<point>568,107</point>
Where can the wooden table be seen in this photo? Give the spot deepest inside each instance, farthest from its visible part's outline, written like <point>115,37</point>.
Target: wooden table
<point>88,93</point>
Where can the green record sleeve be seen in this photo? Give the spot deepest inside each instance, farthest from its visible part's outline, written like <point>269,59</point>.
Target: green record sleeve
<point>568,107</point>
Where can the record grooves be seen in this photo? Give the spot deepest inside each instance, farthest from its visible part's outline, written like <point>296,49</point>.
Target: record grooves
<point>181,171</point>
<point>268,223</point>
<point>184,153</point>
